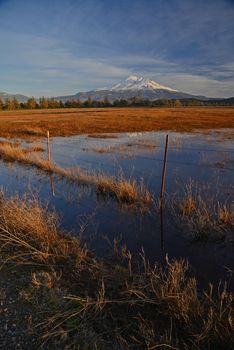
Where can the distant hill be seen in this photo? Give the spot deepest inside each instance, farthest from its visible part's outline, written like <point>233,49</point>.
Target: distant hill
<point>133,86</point>
<point>228,101</point>
<point>20,98</point>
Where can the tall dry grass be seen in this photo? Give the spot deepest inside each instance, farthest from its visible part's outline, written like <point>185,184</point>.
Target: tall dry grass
<point>30,233</point>
<point>155,307</point>
<point>202,215</point>
<point>124,190</point>
<point>84,302</point>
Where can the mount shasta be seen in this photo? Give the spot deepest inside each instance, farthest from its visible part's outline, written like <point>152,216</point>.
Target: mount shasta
<point>132,86</point>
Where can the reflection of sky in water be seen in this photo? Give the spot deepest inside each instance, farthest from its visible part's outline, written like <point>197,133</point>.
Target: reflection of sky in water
<point>191,156</point>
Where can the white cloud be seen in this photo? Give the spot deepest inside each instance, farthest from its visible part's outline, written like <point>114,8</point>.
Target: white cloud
<point>46,68</point>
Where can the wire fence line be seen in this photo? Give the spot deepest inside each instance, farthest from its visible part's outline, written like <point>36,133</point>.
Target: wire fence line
<point>172,146</point>
<point>107,164</point>
<point>81,157</point>
<point>133,171</point>
<point>139,144</point>
<point>160,160</point>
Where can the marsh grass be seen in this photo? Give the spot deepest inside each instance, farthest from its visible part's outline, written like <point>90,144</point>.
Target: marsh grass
<point>104,136</point>
<point>81,301</point>
<point>126,191</point>
<point>34,148</point>
<point>159,307</point>
<point>30,234</point>
<point>202,216</point>
<point>127,149</point>
<point>123,190</point>
<point>226,216</point>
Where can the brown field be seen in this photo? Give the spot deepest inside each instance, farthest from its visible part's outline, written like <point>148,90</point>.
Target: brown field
<point>61,122</point>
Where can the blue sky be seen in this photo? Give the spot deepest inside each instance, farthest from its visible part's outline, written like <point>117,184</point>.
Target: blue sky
<point>57,47</point>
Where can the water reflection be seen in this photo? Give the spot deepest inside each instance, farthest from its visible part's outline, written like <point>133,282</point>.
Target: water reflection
<point>82,210</point>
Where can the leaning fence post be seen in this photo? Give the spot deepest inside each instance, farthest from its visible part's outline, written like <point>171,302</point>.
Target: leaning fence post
<point>48,145</point>
<point>162,192</point>
<point>164,171</point>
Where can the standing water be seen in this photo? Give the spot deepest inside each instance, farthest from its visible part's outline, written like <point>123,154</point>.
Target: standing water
<point>199,162</point>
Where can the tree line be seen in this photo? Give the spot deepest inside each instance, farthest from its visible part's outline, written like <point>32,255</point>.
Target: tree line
<point>48,103</point>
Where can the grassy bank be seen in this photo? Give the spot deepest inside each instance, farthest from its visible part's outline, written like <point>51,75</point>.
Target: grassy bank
<point>34,123</point>
<point>78,301</point>
<point>124,190</point>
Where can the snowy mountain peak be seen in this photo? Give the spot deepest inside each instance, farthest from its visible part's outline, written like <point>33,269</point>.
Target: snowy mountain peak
<point>134,82</point>
<point>134,78</point>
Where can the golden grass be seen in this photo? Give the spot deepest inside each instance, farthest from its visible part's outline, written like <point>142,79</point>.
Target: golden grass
<point>103,136</point>
<point>130,149</point>
<point>127,149</point>
<point>127,191</point>
<point>145,144</point>
<point>85,302</point>
<point>30,233</point>
<point>226,215</point>
<point>60,122</point>
<point>201,216</point>
<point>124,190</point>
<point>34,148</point>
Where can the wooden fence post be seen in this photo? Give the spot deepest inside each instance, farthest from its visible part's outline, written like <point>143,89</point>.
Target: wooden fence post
<point>164,171</point>
<point>48,145</point>
<point>162,192</point>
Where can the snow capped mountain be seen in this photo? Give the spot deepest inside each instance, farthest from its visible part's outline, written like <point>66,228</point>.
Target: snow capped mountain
<point>131,87</point>
<point>134,82</point>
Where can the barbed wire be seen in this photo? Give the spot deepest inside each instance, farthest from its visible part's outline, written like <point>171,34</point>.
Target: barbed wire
<point>113,166</point>
<point>138,144</point>
<point>162,146</point>
<point>210,166</point>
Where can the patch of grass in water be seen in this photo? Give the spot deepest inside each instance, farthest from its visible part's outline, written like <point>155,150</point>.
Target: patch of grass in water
<point>124,190</point>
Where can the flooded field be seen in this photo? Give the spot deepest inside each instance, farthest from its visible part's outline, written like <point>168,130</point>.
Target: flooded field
<point>197,218</point>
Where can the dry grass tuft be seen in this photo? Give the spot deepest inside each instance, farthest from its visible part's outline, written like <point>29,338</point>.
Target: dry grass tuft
<point>34,148</point>
<point>201,216</point>
<point>226,216</point>
<point>187,205</point>
<point>129,149</point>
<point>46,279</point>
<point>30,233</point>
<point>103,136</point>
<point>126,191</point>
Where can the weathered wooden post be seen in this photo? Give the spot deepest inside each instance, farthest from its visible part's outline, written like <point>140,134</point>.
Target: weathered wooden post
<point>162,192</point>
<point>49,158</point>
<point>48,145</point>
<point>164,171</point>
